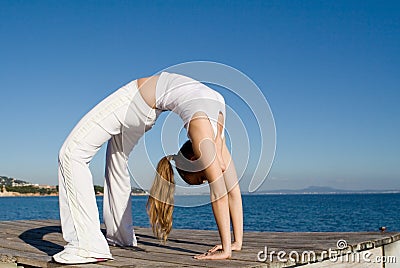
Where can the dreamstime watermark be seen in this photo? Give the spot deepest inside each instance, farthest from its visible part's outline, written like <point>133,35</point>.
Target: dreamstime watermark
<point>342,253</point>
<point>249,129</point>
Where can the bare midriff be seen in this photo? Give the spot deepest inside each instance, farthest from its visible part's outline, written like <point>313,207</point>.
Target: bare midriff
<point>147,88</point>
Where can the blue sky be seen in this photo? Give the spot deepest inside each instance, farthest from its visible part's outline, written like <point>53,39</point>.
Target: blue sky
<point>329,70</point>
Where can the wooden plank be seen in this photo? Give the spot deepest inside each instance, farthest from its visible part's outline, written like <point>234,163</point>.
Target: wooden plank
<point>343,262</point>
<point>301,237</point>
<point>27,256</point>
<point>204,235</point>
<point>173,256</point>
<point>45,249</point>
<point>43,237</point>
<point>179,259</point>
<point>392,255</point>
<point>281,240</point>
<point>14,245</point>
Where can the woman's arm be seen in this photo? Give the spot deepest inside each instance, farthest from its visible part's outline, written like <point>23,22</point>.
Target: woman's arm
<point>232,185</point>
<point>204,148</point>
<point>235,201</point>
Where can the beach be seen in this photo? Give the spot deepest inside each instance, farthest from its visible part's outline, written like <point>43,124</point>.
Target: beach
<point>10,194</point>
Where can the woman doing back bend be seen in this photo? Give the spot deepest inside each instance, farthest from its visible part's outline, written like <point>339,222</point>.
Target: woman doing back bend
<point>121,119</point>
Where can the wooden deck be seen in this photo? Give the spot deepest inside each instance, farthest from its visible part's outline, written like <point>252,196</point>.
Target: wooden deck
<point>32,243</point>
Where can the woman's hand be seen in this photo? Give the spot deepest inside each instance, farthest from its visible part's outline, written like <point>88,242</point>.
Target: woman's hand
<point>234,247</point>
<point>216,255</point>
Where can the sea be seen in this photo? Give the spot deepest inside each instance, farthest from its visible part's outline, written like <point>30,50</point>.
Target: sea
<point>262,213</point>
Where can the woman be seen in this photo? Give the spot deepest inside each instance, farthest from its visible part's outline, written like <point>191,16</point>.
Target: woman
<point>121,119</point>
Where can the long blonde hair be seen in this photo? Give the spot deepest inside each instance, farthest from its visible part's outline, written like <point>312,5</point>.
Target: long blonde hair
<point>160,204</point>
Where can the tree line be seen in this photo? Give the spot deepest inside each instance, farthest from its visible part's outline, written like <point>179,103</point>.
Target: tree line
<point>32,189</point>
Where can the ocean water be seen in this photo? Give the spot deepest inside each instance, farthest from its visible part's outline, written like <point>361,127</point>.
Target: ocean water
<point>283,213</point>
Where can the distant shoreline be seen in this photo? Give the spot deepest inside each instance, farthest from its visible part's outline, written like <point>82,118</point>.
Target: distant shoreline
<point>16,194</point>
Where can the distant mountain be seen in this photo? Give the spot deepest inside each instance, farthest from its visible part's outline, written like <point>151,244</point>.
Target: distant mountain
<point>324,190</point>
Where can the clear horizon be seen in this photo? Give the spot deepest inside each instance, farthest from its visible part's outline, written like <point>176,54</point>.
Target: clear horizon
<point>329,70</point>
<point>306,187</point>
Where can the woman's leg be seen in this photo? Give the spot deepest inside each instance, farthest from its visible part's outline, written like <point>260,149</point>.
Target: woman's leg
<point>78,210</point>
<point>117,203</point>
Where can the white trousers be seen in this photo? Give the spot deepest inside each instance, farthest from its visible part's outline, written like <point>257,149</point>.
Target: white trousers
<point>121,119</point>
